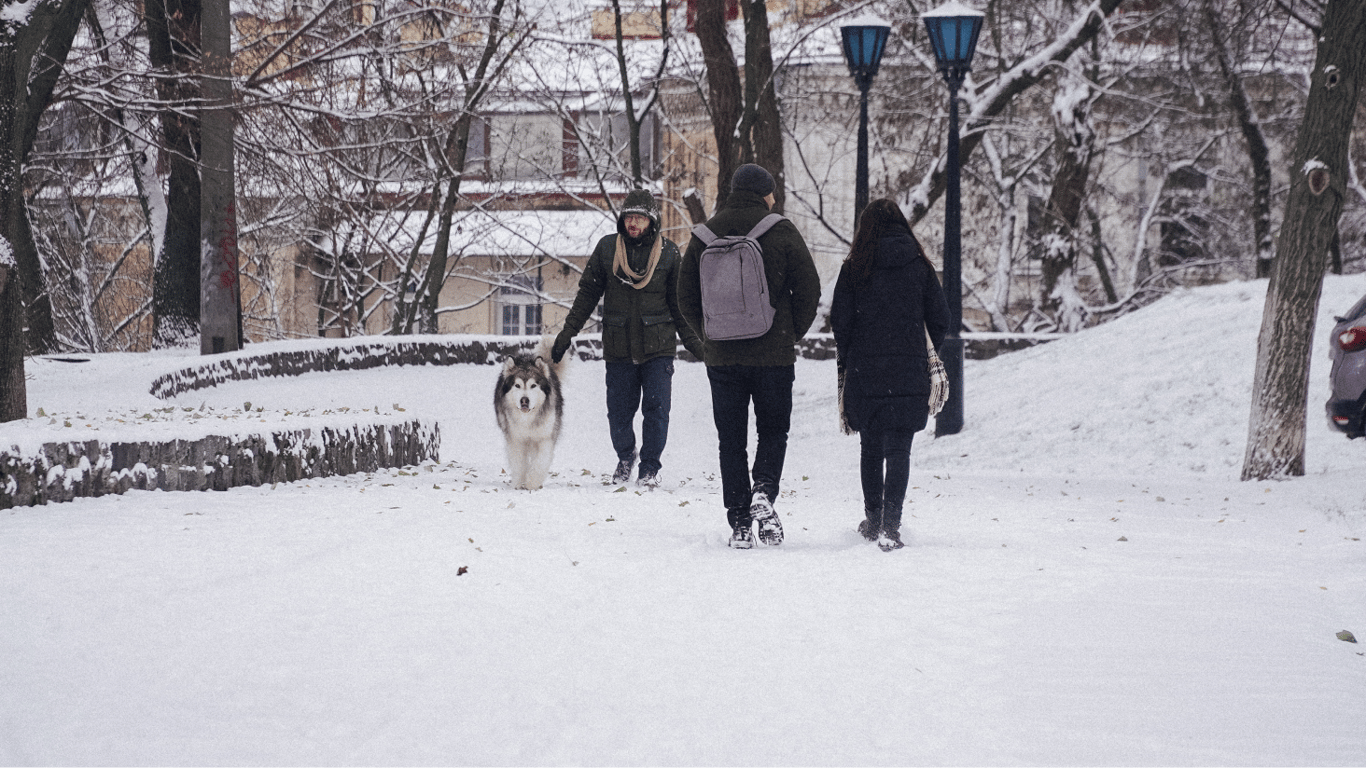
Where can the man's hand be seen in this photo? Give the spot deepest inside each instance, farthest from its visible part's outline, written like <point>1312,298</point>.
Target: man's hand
<point>560,347</point>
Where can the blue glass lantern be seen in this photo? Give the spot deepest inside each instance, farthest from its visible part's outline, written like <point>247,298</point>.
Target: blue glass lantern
<point>864,42</point>
<point>953,29</point>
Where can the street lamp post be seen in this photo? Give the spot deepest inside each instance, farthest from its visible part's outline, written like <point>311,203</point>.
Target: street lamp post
<point>864,40</point>
<point>953,29</point>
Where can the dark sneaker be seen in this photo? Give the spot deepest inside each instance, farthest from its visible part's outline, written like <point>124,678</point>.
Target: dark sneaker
<point>647,479</point>
<point>868,529</point>
<point>623,473</point>
<point>889,539</point>
<point>742,538</point>
<point>770,527</point>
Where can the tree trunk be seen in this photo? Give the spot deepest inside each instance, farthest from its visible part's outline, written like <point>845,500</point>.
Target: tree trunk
<point>1259,155</point>
<point>430,291</point>
<point>25,92</point>
<point>220,284</point>
<point>1318,172</point>
<point>723,91</point>
<point>173,44</point>
<point>40,48</point>
<point>634,120</point>
<point>1076,142</point>
<point>762,126</point>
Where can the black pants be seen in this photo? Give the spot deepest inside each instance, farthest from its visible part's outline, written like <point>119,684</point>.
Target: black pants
<point>733,388</point>
<point>884,495</point>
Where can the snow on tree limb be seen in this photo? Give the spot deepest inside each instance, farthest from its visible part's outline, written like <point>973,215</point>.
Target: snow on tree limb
<point>984,107</point>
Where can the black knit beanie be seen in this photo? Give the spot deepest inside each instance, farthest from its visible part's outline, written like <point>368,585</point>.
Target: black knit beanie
<point>640,202</point>
<point>752,178</point>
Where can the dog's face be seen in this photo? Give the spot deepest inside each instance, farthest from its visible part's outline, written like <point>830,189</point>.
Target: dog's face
<point>525,387</point>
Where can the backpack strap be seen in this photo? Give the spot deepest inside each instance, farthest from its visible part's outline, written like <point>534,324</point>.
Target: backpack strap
<point>704,234</point>
<point>764,225</point>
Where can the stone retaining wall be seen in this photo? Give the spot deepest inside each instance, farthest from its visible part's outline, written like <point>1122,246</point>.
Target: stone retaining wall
<point>386,351</point>
<point>62,471</point>
<point>345,356</point>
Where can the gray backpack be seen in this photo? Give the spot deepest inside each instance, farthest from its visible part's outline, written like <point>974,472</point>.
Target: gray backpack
<point>735,301</point>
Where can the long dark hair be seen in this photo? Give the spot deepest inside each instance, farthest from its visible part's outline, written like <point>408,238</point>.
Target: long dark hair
<point>880,219</point>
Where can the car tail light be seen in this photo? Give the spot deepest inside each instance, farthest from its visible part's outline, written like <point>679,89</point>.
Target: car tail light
<point>1342,421</point>
<point>1352,339</point>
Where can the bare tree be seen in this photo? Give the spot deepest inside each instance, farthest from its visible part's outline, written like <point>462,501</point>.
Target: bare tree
<point>1319,170</point>
<point>989,100</point>
<point>1258,152</point>
<point>1076,146</point>
<point>635,118</point>
<point>725,100</point>
<point>173,44</point>
<point>746,122</point>
<point>503,37</point>
<point>34,43</point>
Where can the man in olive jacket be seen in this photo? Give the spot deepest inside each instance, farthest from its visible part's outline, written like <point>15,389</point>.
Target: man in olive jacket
<point>635,273</point>
<point>760,370</point>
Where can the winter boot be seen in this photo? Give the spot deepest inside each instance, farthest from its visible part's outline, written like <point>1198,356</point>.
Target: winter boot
<point>741,537</point>
<point>623,473</point>
<point>871,522</point>
<point>770,527</point>
<point>647,479</point>
<point>868,529</point>
<point>741,527</point>
<point>889,538</point>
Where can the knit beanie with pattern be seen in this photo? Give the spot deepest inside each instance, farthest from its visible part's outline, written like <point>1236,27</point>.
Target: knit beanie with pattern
<point>640,202</point>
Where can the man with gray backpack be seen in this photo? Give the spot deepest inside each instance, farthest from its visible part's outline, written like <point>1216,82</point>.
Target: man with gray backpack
<point>749,329</point>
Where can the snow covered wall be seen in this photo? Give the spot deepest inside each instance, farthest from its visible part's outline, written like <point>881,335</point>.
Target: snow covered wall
<point>62,471</point>
<point>294,358</point>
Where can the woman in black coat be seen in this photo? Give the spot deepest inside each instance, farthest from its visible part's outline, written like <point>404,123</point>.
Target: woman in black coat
<point>886,299</point>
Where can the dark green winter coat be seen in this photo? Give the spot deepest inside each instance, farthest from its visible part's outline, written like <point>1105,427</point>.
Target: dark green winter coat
<point>793,283</point>
<point>637,324</point>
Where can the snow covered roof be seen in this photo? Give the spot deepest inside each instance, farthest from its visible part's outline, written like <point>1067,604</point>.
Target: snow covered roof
<point>512,233</point>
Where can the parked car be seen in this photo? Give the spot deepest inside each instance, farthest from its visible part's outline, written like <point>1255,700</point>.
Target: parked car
<point>1347,379</point>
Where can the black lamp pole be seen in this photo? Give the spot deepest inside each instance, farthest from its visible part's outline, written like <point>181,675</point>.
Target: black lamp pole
<point>953,29</point>
<point>864,42</point>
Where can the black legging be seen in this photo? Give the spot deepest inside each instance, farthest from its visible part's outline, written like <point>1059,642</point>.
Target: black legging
<point>882,498</point>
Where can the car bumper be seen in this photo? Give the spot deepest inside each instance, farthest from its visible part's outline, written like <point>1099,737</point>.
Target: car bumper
<point>1346,416</point>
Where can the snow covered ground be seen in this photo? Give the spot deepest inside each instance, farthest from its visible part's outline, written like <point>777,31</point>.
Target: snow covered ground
<point>1086,582</point>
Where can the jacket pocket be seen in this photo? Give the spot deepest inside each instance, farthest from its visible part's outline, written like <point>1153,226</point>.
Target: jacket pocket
<point>616,339</point>
<point>659,335</point>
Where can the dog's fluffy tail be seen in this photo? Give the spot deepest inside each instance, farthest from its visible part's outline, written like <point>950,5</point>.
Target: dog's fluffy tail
<point>543,351</point>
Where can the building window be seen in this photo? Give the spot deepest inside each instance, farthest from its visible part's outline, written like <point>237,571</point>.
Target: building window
<point>520,305</point>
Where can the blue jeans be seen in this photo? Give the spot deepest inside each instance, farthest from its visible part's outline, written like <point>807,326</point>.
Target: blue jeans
<point>627,382</point>
<point>733,388</point>
<point>883,496</point>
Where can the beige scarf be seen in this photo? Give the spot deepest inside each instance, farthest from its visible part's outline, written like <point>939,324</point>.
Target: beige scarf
<point>619,262</point>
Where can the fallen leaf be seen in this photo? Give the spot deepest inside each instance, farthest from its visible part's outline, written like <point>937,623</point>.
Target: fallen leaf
<point>1346,636</point>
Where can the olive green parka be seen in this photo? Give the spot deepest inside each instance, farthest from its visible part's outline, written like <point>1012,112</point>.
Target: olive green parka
<point>637,324</point>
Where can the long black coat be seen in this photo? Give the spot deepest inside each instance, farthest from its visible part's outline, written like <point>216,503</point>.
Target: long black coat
<point>879,327</point>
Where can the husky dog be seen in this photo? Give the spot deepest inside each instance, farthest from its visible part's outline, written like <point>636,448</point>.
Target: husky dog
<point>529,405</point>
